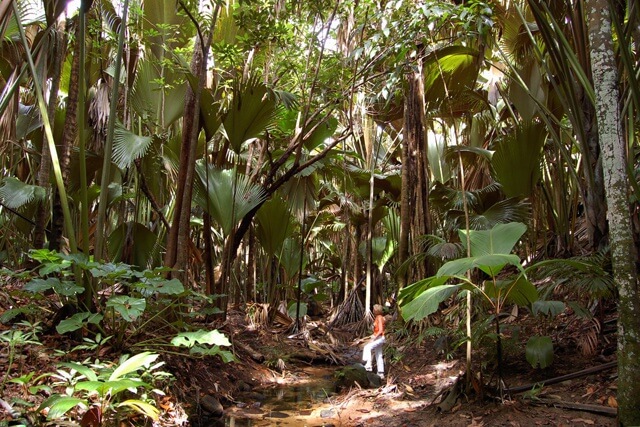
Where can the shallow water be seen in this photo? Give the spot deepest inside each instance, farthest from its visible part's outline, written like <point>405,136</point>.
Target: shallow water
<point>307,400</point>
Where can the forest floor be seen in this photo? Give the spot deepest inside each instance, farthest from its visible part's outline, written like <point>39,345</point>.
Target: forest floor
<point>417,380</point>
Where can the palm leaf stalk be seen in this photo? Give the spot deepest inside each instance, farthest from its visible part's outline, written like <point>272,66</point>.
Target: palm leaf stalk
<point>89,289</point>
<point>57,170</point>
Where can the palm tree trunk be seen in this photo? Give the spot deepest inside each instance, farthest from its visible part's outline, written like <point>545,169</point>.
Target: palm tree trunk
<point>69,132</point>
<point>623,253</point>
<point>179,234</point>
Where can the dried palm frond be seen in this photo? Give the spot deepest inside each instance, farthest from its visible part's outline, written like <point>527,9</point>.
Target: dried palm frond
<point>586,337</point>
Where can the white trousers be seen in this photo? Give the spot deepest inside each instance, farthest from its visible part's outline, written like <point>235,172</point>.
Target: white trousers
<point>371,346</point>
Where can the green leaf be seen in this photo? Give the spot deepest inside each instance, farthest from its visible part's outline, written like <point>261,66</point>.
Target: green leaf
<point>133,364</point>
<point>226,194</point>
<point>490,264</point>
<point>520,292</point>
<point>129,308</point>
<point>161,286</point>
<point>252,111</point>
<point>539,351</point>
<point>499,240</point>
<point>14,193</point>
<point>427,302</point>
<point>110,387</point>
<point>127,146</point>
<point>82,369</point>
<point>141,407</point>
<point>40,285</point>
<point>77,321</point>
<point>293,308</point>
<point>226,356</point>
<point>60,405</point>
<point>548,308</point>
<point>189,339</point>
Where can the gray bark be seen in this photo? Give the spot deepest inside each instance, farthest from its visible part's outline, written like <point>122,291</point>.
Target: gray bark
<point>623,254</point>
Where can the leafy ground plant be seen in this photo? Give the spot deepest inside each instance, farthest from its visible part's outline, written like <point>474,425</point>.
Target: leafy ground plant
<point>105,394</point>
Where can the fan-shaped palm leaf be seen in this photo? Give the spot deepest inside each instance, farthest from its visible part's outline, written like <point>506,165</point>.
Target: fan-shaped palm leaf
<point>502,212</point>
<point>127,146</point>
<point>226,195</point>
<point>275,224</point>
<point>252,111</point>
<point>516,162</point>
<point>14,193</point>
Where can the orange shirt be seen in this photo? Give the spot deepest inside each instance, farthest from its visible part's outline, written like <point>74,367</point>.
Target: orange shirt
<point>378,326</point>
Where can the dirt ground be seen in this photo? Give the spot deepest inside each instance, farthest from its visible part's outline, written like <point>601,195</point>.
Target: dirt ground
<point>416,382</point>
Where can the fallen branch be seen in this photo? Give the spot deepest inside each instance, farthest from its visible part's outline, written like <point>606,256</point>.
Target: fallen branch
<point>579,374</point>
<point>595,409</point>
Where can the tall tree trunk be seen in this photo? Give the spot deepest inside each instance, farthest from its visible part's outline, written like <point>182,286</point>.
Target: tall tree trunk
<point>623,253</point>
<point>179,234</point>
<point>69,133</point>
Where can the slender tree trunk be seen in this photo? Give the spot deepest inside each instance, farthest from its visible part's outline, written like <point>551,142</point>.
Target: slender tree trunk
<point>69,133</point>
<point>179,234</point>
<point>623,254</point>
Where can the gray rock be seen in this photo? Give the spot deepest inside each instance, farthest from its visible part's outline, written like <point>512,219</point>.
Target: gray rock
<point>211,405</point>
<point>348,376</point>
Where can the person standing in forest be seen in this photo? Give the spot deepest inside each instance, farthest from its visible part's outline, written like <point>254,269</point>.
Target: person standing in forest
<point>376,342</point>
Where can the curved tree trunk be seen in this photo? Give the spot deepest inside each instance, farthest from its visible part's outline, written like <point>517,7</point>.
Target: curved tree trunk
<point>623,254</point>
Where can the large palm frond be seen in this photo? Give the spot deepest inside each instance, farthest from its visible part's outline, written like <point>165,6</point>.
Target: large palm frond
<point>127,146</point>
<point>516,161</point>
<point>15,194</point>
<point>226,195</point>
<point>252,111</point>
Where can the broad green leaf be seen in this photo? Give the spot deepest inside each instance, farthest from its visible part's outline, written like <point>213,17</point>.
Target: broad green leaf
<point>520,292</point>
<point>161,286</point>
<point>499,240</point>
<point>427,302</point>
<point>41,285</point>
<point>275,224</point>
<point>60,405</point>
<point>129,308</point>
<point>548,308</point>
<point>109,387</point>
<point>226,195</point>
<point>320,134</point>
<point>77,321</point>
<point>133,363</point>
<point>141,407</point>
<point>490,264</point>
<point>189,339</point>
<point>539,352</point>
<point>293,307</point>
<point>408,293</point>
<point>226,356</point>
<point>62,287</point>
<point>82,369</point>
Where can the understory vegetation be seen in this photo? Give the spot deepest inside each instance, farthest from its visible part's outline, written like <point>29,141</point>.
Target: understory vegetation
<point>169,167</point>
